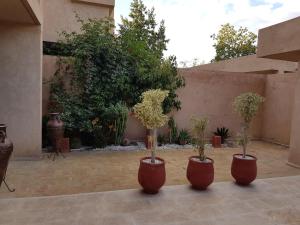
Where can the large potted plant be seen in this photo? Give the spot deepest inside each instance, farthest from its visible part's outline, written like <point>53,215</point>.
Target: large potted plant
<point>152,172</point>
<point>244,168</point>
<point>200,170</point>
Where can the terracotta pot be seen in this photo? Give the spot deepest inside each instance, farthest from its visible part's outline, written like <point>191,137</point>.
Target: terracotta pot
<point>244,170</point>
<point>182,142</point>
<point>6,149</point>
<point>64,145</point>
<point>55,129</point>
<point>217,141</point>
<point>200,174</point>
<point>151,176</point>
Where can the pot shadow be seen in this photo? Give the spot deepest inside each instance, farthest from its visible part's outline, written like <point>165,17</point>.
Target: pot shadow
<point>143,193</point>
<point>246,186</point>
<point>207,190</point>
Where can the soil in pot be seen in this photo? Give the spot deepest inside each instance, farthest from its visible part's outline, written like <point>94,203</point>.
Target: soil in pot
<point>200,173</point>
<point>152,176</point>
<point>244,170</point>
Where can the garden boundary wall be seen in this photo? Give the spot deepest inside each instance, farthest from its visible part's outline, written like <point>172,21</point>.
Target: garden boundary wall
<point>211,94</point>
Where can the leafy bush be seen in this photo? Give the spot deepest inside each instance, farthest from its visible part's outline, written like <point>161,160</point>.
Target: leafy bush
<point>247,105</point>
<point>162,139</point>
<point>184,137</point>
<point>173,131</point>
<point>223,132</point>
<point>103,69</point>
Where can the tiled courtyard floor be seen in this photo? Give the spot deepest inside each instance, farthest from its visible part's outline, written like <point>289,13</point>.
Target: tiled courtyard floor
<point>273,201</point>
<point>106,171</point>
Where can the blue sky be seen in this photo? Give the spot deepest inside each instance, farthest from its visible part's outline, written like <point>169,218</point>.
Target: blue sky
<point>190,23</point>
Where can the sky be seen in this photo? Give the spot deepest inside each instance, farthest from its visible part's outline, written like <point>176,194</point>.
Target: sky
<point>190,23</point>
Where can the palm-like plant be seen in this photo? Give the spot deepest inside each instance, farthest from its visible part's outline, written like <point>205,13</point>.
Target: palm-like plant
<point>247,105</point>
<point>223,132</point>
<point>199,127</point>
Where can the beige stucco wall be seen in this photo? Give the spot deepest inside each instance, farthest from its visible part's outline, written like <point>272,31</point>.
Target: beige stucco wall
<point>278,107</point>
<point>211,94</point>
<point>280,41</point>
<point>251,64</point>
<point>294,157</point>
<point>59,15</point>
<point>21,86</point>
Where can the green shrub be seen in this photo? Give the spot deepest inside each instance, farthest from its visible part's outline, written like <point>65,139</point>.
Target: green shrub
<point>184,137</point>
<point>173,131</point>
<point>223,132</point>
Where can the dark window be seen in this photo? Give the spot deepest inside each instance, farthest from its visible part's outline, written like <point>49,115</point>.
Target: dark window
<point>54,48</point>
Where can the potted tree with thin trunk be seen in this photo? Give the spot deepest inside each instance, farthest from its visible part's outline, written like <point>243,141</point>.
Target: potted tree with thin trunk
<point>200,170</point>
<point>152,173</point>
<point>244,168</point>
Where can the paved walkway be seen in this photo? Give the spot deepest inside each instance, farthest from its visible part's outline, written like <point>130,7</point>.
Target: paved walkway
<point>87,172</point>
<point>273,201</point>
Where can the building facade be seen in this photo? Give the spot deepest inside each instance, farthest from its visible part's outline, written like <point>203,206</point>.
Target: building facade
<point>24,26</point>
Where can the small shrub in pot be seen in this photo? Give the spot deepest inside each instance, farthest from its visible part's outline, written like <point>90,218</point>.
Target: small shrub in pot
<point>183,137</point>
<point>200,170</point>
<point>223,132</point>
<point>152,173</point>
<point>244,168</point>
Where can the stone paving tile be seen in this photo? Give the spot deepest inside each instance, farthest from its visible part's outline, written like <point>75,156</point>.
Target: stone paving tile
<point>224,203</point>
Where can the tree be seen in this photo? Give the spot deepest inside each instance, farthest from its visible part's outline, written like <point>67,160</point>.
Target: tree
<point>103,73</point>
<point>232,43</point>
<point>145,42</point>
<point>92,85</point>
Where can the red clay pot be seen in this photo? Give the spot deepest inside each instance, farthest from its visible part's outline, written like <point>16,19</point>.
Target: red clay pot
<point>64,145</point>
<point>55,129</point>
<point>200,174</point>
<point>244,171</point>
<point>216,141</point>
<point>151,176</point>
<point>181,142</point>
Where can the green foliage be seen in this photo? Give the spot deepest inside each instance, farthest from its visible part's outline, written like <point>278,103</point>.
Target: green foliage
<point>150,111</point>
<point>162,139</point>
<point>184,137</point>
<point>93,78</point>
<point>110,128</point>
<point>199,127</point>
<point>145,43</point>
<point>223,132</point>
<point>173,130</point>
<point>103,69</point>
<point>247,105</point>
<point>232,43</point>
<point>114,119</point>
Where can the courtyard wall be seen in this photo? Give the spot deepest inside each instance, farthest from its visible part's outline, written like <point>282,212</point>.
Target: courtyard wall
<point>211,94</point>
